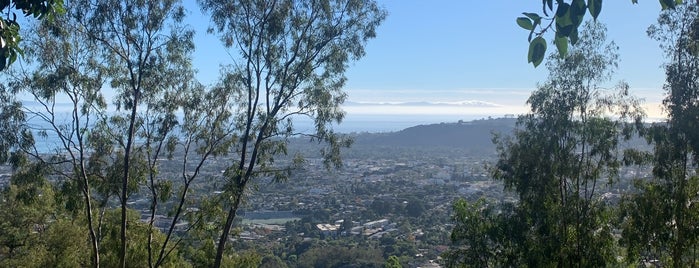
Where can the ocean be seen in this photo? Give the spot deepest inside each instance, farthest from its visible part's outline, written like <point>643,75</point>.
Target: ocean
<point>352,123</point>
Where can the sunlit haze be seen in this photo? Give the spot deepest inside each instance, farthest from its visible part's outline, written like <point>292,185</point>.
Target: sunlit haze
<point>440,53</point>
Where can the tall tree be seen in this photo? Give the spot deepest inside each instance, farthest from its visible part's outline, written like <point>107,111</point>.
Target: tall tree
<point>291,57</point>
<point>560,157</point>
<point>65,69</point>
<point>664,208</point>
<point>142,43</point>
<point>142,51</point>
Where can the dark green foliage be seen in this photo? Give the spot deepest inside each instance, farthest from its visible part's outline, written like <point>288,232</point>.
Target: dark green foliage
<point>564,18</point>
<point>644,230</point>
<point>272,262</point>
<point>393,262</point>
<point>335,256</point>
<point>476,237</point>
<point>659,219</point>
<point>557,162</point>
<point>34,231</point>
<point>414,208</point>
<point>10,38</point>
<point>67,244</point>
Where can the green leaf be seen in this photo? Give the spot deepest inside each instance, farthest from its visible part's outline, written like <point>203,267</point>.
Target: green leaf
<point>562,45</point>
<point>595,7</point>
<point>573,36</point>
<point>546,3</point>
<point>564,27</point>
<point>537,51</point>
<point>564,24</point>
<point>535,17</point>
<point>562,9</point>
<point>525,23</point>
<point>577,12</point>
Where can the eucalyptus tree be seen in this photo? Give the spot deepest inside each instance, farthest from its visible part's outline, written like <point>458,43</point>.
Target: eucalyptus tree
<point>562,155</point>
<point>290,58</point>
<point>661,217</point>
<point>141,51</point>
<point>63,69</point>
<point>144,45</point>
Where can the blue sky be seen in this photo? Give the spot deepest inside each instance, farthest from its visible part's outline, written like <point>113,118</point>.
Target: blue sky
<point>464,51</point>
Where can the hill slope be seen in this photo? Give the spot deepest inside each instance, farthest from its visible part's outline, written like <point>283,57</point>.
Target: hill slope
<point>468,135</point>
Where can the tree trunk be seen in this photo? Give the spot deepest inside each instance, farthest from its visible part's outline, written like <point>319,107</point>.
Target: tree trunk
<point>125,182</point>
<point>93,235</point>
<point>226,231</point>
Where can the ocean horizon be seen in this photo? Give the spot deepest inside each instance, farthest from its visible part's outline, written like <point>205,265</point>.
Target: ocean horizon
<point>352,123</point>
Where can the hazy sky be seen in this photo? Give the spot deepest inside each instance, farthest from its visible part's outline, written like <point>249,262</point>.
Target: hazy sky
<point>454,51</point>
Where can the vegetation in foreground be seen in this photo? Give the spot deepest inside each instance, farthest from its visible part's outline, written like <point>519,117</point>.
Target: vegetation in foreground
<point>558,162</point>
<point>567,150</point>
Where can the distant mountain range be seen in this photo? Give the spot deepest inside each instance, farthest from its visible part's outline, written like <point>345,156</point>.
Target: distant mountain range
<point>475,135</point>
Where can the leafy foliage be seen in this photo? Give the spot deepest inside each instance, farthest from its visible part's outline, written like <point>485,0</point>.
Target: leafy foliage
<point>292,57</point>
<point>555,162</point>
<point>34,231</point>
<point>79,52</point>
<point>564,18</point>
<point>139,234</point>
<point>393,262</point>
<point>339,256</point>
<point>111,154</point>
<point>659,219</point>
<point>476,237</point>
<point>9,26</point>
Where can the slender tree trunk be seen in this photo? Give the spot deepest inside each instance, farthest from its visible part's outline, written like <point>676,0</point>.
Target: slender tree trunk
<point>175,218</point>
<point>86,186</point>
<point>680,210</point>
<point>88,212</point>
<point>226,231</point>
<point>153,207</point>
<point>125,181</point>
<point>93,235</point>
<point>152,161</point>
<point>253,95</point>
